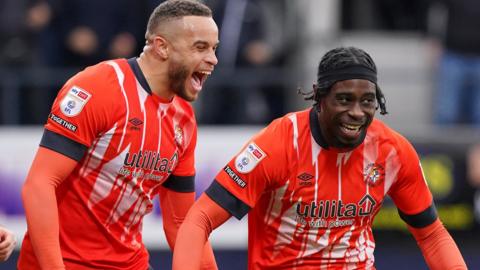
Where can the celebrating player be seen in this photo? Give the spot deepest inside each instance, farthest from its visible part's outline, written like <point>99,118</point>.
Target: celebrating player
<point>313,181</point>
<point>119,134</point>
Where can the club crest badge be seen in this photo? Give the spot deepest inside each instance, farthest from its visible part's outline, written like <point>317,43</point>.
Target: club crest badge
<point>249,158</point>
<point>178,135</point>
<point>374,174</point>
<point>74,101</point>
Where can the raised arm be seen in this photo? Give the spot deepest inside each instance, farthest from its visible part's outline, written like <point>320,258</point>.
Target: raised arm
<point>175,206</point>
<point>48,170</point>
<point>204,216</point>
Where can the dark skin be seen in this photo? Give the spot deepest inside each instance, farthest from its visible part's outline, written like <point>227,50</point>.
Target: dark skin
<point>346,112</point>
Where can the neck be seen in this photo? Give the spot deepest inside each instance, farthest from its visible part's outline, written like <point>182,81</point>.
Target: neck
<point>156,74</point>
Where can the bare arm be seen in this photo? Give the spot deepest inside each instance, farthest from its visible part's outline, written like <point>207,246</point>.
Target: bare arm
<point>175,206</point>
<point>7,243</point>
<point>48,170</point>
<point>438,247</point>
<point>204,216</point>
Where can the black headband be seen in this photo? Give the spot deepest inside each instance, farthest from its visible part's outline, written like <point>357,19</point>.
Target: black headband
<point>348,73</point>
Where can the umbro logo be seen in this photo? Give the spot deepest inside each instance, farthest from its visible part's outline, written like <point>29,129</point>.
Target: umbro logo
<point>136,123</point>
<point>305,177</point>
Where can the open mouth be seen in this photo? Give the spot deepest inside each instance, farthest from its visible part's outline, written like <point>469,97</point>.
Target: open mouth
<point>199,78</point>
<point>350,130</point>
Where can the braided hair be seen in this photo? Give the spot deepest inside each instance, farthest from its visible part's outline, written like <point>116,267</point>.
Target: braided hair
<point>333,64</point>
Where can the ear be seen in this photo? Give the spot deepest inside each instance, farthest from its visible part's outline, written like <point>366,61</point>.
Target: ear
<point>321,104</point>
<point>160,46</point>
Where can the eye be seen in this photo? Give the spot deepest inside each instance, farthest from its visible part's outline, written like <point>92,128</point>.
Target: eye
<point>370,102</point>
<point>201,47</point>
<point>342,99</point>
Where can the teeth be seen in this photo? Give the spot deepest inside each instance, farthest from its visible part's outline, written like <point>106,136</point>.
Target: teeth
<point>205,72</point>
<point>351,127</point>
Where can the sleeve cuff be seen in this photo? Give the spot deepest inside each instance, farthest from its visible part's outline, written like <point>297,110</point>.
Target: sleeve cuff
<point>180,183</point>
<point>227,200</point>
<point>422,219</point>
<point>63,145</point>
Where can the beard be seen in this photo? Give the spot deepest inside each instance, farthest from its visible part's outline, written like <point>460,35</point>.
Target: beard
<point>177,75</point>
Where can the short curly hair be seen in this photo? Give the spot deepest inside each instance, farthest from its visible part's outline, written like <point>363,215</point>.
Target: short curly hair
<point>173,9</point>
<point>337,59</point>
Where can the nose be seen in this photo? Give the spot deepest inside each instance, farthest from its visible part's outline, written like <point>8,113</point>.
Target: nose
<point>356,111</point>
<point>212,58</point>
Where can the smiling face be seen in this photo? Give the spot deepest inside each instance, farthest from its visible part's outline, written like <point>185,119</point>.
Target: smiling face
<point>191,54</point>
<point>346,112</point>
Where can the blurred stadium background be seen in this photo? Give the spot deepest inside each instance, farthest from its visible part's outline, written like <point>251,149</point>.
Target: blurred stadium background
<point>253,84</point>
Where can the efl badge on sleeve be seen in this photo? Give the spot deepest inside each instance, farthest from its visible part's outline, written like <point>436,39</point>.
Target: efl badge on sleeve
<point>73,102</point>
<point>248,159</point>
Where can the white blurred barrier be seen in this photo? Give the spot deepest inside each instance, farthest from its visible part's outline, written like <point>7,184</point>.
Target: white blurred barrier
<point>215,146</point>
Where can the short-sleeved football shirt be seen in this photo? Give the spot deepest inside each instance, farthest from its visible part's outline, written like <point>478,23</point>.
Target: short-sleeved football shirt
<point>312,206</point>
<point>128,142</point>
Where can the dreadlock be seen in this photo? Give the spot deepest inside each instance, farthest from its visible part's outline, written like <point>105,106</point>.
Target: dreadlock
<point>332,63</point>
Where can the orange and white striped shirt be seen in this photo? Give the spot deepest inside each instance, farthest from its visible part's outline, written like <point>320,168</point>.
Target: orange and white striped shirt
<point>128,143</point>
<point>312,206</point>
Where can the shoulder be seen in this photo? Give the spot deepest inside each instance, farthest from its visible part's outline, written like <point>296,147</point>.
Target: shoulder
<point>282,133</point>
<point>101,70</point>
<point>389,138</point>
<point>381,130</point>
<point>98,78</point>
<point>102,80</point>
<point>291,121</point>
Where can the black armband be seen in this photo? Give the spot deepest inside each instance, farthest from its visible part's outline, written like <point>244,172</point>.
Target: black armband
<point>422,219</point>
<point>227,200</point>
<point>63,145</point>
<point>180,183</point>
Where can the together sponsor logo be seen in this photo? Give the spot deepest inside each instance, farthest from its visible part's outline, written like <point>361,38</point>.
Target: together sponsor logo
<point>62,122</point>
<point>239,181</point>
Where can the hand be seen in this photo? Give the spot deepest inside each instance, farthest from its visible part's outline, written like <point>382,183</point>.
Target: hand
<point>7,243</point>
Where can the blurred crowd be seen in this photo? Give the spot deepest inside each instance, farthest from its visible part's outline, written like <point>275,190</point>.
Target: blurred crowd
<point>65,36</point>
<point>41,35</point>
<point>259,40</point>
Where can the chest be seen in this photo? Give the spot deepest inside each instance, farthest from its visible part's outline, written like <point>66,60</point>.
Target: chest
<point>337,185</point>
<point>145,144</point>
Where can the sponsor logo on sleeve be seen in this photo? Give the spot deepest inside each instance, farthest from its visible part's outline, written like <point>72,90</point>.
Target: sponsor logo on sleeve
<point>249,158</point>
<point>62,122</point>
<point>74,101</point>
<point>237,179</point>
